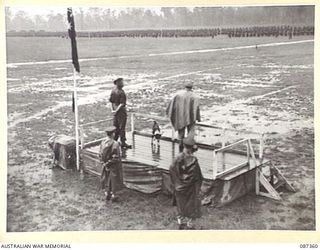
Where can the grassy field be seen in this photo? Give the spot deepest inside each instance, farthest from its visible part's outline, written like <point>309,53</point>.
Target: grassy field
<point>231,85</point>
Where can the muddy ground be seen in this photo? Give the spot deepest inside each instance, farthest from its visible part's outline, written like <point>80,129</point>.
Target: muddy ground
<point>269,89</point>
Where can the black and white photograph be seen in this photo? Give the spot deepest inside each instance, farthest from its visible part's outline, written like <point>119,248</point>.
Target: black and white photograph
<point>160,118</point>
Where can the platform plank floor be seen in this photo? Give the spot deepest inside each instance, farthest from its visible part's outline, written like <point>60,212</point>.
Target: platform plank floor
<point>162,155</point>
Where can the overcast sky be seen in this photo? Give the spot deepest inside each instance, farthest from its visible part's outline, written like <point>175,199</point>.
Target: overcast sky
<point>34,10</point>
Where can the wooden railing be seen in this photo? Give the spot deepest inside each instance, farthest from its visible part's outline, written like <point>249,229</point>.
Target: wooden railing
<point>260,136</point>
<point>222,150</point>
<point>82,126</point>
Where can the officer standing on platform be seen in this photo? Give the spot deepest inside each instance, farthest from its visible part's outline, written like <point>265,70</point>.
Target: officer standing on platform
<point>118,101</point>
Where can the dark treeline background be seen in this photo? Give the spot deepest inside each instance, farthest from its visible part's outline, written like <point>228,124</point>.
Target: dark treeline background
<point>101,19</point>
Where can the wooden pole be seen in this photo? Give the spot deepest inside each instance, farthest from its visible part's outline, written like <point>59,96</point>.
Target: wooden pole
<point>76,118</point>
<point>223,145</point>
<point>248,153</point>
<point>252,153</point>
<point>172,133</point>
<point>81,137</point>
<point>223,137</point>
<point>215,165</point>
<point>257,189</point>
<point>132,123</point>
<point>261,147</point>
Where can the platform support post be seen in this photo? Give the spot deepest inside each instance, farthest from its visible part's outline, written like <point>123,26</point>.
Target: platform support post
<point>196,132</point>
<point>223,161</point>
<point>172,133</point>
<point>215,165</point>
<point>132,123</point>
<point>261,147</point>
<point>257,181</point>
<point>252,154</point>
<point>223,137</point>
<point>248,153</point>
<point>223,142</point>
<point>76,119</point>
<point>81,137</point>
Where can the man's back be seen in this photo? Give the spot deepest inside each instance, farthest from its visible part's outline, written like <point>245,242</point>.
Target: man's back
<point>183,109</point>
<point>118,97</point>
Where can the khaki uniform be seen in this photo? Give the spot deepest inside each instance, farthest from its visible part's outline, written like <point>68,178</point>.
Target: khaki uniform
<point>111,175</point>
<point>118,97</point>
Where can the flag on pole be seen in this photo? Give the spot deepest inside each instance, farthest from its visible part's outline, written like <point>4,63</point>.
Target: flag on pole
<point>72,35</point>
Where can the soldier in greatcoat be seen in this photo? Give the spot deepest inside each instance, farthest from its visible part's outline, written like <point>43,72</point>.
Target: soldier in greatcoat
<point>110,158</point>
<point>187,178</point>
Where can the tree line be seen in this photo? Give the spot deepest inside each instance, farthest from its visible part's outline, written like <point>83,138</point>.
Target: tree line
<point>104,19</point>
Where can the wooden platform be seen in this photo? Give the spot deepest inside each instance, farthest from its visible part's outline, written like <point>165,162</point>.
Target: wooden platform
<point>145,168</point>
<point>161,156</point>
<point>231,161</point>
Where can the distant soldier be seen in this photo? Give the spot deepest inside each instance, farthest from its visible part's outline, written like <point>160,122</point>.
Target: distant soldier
<point>110,158</point>
<point>183,112</point>
<point>118,101</point>
<point>187,179</point>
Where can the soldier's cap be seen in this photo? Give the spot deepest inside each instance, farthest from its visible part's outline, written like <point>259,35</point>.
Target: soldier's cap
<point>188,85</point>
<point>189,141</point>
<point>117,80</point>
<point>110,129</point>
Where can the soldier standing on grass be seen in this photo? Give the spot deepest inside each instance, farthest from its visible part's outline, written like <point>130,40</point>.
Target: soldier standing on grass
<point>187,178</point>
<point>183,112</point>
<point>110,158</point>
<point>118,101</point>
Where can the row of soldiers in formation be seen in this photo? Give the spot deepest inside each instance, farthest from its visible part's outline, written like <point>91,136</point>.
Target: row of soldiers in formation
<point>269,31</point>
<point>256,31</point>
<point>183,111</point>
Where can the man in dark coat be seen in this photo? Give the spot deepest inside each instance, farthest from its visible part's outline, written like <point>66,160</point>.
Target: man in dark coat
<point>187,178</point>
<point>183,112</point>
<point>118,101</point>
<point>110,157</point>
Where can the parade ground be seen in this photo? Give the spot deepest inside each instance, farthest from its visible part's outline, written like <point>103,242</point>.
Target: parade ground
<point>259,84</point>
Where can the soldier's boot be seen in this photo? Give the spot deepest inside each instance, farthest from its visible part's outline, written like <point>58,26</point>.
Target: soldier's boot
<point>114,198</point>
<point>108,195</point>
<point>180,146</point>
<point>125,145</point>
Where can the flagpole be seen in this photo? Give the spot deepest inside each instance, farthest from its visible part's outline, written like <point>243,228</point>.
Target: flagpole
<point>76,68</point>
<point>76,118</point>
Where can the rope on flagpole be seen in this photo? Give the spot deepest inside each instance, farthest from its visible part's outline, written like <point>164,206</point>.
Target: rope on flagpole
<point>76,117</point>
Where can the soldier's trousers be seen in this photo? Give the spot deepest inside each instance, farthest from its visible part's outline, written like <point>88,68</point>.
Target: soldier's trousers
<point>191,131</point>
<point>120,121</point>
<point>181,134</point>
